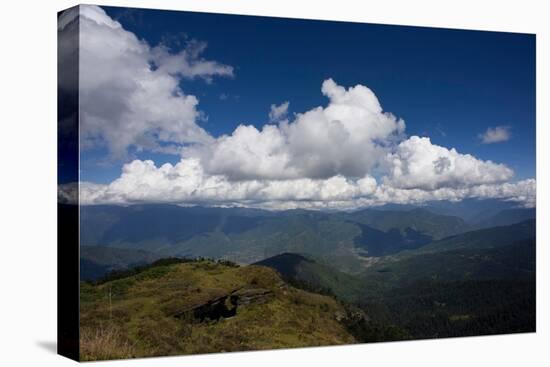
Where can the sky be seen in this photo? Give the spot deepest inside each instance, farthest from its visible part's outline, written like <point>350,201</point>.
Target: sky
<point>195,108</point>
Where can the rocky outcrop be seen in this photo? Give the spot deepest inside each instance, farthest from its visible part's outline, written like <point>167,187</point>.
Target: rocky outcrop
<point>252,296</point>
<point>225,305</point>
<point>351,314</point>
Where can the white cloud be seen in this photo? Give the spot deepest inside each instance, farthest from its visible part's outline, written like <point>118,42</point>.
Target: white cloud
<point>495,135</point>
<point>278,113</point>
<point>130,93</point>
<point>523,192</point>
<point>417,163</point>
<point>187,183</point>
<point>324,159</point>
<point>187,63</point>
<point>67,193</point>
<point>349,137</point>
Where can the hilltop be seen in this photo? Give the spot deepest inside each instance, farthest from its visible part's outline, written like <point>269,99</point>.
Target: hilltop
<point>202,306</point>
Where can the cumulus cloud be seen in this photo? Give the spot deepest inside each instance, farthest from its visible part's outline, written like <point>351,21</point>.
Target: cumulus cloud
<point>277,113</point>
<point>324,159</point>
<point>495,135</point>
<point>349,137</point>
<point>130,94</point>
<point>188,63</point>
<point>417,163</point>
<point>187,183</point>
<point>523,192</point>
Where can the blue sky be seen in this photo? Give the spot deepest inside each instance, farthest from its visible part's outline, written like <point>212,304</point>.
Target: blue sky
<point>448,85</point>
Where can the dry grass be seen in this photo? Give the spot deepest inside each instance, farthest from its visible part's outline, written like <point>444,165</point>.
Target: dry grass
<point>105,342</point>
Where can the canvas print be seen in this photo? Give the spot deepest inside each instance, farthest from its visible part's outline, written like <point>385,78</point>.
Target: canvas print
<point>237,183</point>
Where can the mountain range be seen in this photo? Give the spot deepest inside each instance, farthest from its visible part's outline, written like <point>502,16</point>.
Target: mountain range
<point>347,240</point>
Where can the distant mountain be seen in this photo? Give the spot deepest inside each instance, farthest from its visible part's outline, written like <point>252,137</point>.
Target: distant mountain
<point>309,274</point>
<point>471,210</point>
<point>420,221</point>
<point>97,261</point>
<point>507,217</point>
<point>249,235</point>
<point>286,264</point>
<point>380,243</point>
<point>386,232</point>
<point>484,238</point>
<point>153,227</point>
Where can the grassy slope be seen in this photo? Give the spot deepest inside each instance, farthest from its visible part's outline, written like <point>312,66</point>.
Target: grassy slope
<point>140,324</point>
